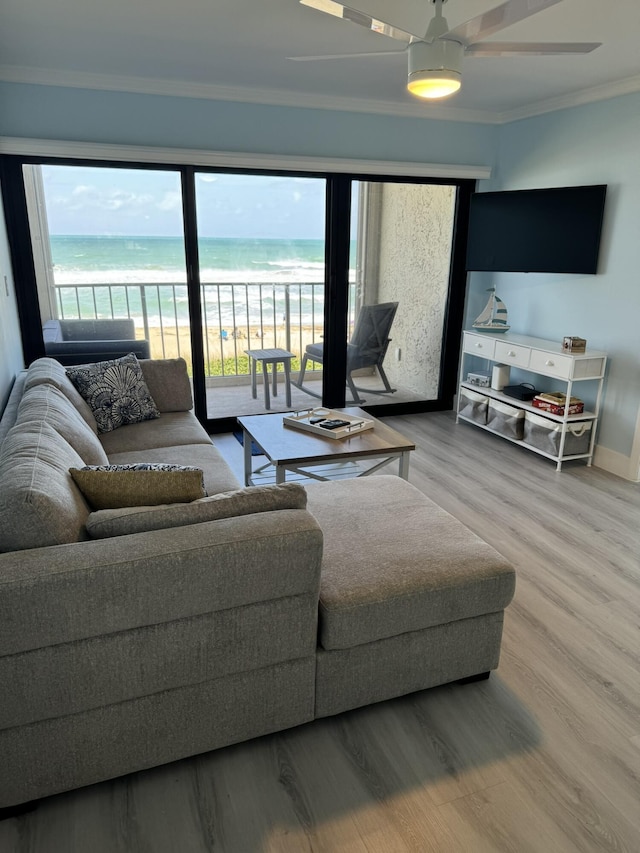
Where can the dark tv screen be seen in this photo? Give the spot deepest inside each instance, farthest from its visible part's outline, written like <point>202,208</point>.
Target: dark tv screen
<point>550,230</point>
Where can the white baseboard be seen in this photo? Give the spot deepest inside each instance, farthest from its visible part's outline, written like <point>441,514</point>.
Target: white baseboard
<point>616,463</point>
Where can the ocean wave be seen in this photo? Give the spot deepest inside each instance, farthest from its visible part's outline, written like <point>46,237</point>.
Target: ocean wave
<point>223,306</point>
<point>299,275</point>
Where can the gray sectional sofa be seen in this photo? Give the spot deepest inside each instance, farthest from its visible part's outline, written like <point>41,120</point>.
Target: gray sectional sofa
<point>128,651</point>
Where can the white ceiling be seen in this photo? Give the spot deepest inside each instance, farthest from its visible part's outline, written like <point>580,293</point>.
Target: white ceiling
<point>238,49</point>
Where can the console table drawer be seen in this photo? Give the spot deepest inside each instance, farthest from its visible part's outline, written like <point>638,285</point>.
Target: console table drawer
<point>479,345</point>
<point>512,354</point>
<point>551,364</point>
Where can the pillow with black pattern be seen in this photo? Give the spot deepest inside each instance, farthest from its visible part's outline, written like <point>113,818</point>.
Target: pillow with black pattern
<point>116,392</point>
<point>138,484</point>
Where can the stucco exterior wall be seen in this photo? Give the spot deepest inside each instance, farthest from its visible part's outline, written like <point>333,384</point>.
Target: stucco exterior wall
<point>416,224</point>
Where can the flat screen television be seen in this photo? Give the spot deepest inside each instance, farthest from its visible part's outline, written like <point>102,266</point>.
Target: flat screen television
<point>549,230</point>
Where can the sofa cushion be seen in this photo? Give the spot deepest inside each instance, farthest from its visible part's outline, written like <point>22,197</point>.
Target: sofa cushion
<point>48,371</point>
<point>46,403</point>
<point>218,476</point>
<point>116,392</point>
<point>172,429</point>
<point>142,484</point>
<point>394,561</point>
<point>39,503</point>
<point>168,383</point>
<point>120,522</point>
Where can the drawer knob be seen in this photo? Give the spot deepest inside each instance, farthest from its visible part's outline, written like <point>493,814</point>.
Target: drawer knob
<point>479,345</point>
<point>550,363</point>
<point>511,353</point>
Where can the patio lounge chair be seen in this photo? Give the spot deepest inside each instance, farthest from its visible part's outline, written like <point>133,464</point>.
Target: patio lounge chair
<point>367,348</point>
<point>81,341</point>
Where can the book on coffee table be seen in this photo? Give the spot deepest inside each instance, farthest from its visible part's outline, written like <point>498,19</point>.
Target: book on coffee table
<point>327,423</point>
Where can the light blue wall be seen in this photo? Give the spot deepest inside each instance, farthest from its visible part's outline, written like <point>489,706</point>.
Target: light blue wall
<point>47,112</point>
<point>594,144</point>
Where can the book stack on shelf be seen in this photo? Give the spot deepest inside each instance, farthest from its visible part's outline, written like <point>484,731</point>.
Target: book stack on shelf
<point>555,403</point>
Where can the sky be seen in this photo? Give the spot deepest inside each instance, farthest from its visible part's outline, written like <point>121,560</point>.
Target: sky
<point>84,200</point>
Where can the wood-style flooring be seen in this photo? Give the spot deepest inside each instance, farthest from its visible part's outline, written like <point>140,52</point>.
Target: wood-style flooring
<point>544,757</point>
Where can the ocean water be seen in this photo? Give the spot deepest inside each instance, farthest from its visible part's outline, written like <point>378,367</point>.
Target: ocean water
<point>245,281</point>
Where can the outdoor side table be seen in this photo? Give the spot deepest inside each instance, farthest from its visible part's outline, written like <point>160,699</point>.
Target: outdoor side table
<point>273,357</point>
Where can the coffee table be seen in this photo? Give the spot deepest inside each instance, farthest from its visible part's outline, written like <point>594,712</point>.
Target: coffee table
<point>291,449</point>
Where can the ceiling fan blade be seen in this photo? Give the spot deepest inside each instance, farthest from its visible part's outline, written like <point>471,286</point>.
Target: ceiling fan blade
<point>498,18</point>
<point>346,55</point>
<point>505,48</point>
<point>339,10</point>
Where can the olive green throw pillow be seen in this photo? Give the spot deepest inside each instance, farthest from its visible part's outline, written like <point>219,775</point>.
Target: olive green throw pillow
<point>120,522</point>
<point>144,484</point>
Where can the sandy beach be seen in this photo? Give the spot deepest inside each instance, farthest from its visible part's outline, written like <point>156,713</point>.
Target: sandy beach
<point>172,342</point>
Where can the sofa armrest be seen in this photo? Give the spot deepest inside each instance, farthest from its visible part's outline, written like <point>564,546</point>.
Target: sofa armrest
<point>68,592</point>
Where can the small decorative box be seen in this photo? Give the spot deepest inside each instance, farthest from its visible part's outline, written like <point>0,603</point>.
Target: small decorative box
<point>574,344</point>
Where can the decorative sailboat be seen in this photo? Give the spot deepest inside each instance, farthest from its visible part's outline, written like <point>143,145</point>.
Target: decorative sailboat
<point>494,316</point>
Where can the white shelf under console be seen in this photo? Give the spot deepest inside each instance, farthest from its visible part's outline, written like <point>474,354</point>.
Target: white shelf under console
<point>544,358</point>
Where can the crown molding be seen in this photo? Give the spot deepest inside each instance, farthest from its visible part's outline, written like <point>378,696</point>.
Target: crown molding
<point>300,100</point>
<point>234,159</point>
<point>239,94</point>
<point>626,86</point>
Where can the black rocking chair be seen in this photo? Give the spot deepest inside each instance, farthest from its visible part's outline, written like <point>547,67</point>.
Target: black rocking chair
<point>367,348</point>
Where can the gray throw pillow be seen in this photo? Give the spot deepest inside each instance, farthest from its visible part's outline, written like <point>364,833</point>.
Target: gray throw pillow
<point>141,484</point>
<point>116,392</point>
<point>120,522</point>
<point>168,381</point>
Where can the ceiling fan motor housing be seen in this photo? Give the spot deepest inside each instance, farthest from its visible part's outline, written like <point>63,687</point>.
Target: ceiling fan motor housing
<point>441,58</point>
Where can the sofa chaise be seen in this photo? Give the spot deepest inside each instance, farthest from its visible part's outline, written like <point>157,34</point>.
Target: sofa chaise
<point>125,647</point>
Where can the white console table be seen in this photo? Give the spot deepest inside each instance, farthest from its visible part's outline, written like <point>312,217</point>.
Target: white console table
<point>537,356</point>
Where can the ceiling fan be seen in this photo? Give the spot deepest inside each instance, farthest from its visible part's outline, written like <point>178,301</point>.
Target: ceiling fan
<point>435,59</point>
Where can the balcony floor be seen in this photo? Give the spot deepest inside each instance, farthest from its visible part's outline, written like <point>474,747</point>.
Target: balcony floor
<point>233,400</point>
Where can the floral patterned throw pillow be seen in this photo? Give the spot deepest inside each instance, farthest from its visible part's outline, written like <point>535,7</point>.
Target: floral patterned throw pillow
<point>116,392</point>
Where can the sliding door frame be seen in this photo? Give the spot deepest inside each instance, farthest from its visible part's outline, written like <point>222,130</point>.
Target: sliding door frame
<point>455,301</point>
<point>337,243</point>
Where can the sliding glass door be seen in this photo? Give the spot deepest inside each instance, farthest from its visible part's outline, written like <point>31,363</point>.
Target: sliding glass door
<point>109,257</point>
<point>391,285</point>
<point>399,295</point>
<point>354,286</point>
<point>261,252</point>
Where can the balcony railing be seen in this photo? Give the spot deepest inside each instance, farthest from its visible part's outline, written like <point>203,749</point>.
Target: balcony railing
<point>235,317</point>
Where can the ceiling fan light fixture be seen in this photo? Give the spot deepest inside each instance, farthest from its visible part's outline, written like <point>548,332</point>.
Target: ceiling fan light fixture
<point>435,70</point>
<point>434,84</point>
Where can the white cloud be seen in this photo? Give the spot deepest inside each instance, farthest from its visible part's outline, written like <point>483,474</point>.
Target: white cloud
<point>170,201</point>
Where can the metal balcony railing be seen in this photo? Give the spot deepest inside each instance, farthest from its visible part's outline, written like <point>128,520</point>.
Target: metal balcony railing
<point>235,317</point>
